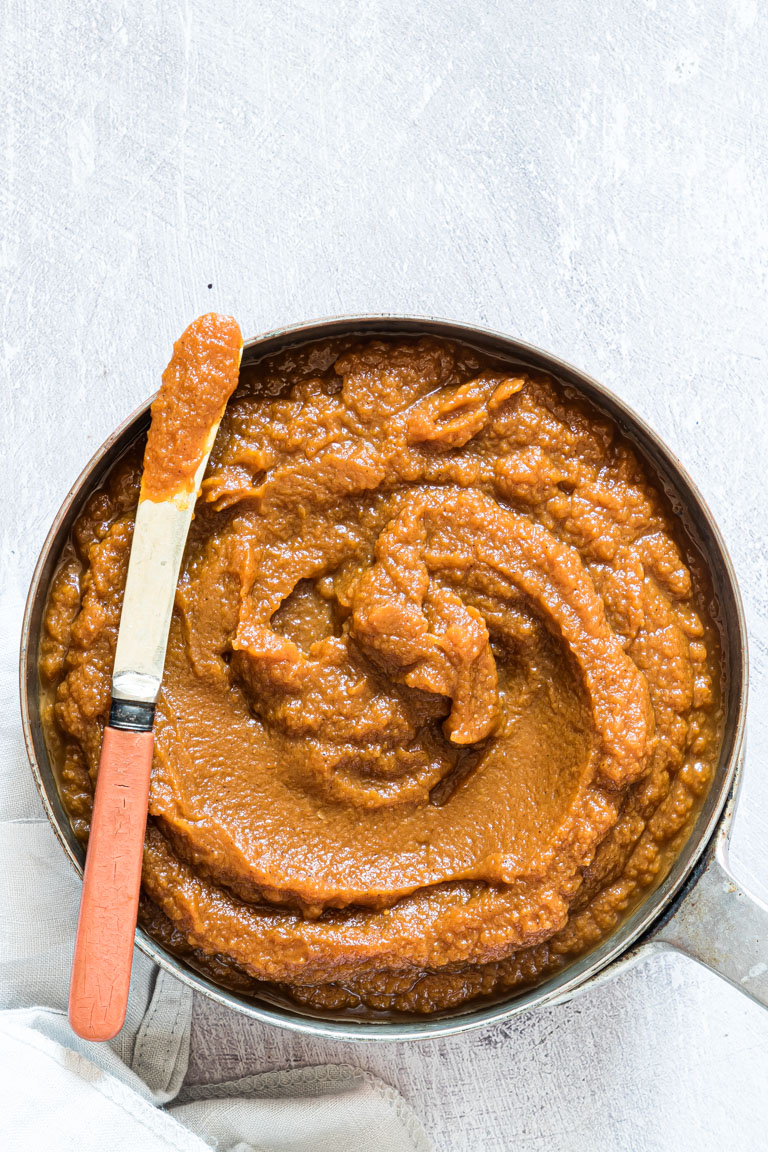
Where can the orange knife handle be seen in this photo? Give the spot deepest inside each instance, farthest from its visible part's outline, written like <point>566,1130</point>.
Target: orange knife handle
<point>101,969</point>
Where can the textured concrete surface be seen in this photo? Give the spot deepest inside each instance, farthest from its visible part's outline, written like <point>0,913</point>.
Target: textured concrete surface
<point>591,178</point>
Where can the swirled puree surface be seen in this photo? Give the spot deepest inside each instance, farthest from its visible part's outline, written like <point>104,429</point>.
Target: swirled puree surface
<point>441,694</point>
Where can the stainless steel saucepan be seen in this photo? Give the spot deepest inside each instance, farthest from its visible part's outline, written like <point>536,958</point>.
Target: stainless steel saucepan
<point>698,909</point>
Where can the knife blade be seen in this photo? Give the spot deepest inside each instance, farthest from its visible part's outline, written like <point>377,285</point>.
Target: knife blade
<point>159,539</point>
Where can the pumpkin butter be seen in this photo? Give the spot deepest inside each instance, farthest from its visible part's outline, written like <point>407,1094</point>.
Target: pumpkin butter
<point>441,694</point>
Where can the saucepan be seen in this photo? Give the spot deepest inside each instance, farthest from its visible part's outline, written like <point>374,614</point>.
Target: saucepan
<point>698,909</point>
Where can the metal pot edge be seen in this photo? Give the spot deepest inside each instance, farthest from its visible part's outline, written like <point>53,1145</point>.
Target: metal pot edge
<point>622,943</point>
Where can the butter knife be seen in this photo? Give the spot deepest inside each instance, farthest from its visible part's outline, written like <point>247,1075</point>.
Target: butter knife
<point>196,386</point>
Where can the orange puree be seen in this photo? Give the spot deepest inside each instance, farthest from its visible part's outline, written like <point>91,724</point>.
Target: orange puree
<point>441,692</point>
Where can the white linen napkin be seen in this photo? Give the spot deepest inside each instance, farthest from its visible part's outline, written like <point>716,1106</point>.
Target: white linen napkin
<point>62,1093</point>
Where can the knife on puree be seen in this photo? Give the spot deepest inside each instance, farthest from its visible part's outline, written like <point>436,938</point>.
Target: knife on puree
<point>197,384</point>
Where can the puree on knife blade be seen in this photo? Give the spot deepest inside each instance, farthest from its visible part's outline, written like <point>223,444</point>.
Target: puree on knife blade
<point>441,694</point>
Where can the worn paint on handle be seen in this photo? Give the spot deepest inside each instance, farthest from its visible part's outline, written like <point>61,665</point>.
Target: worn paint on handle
<point>101,969</point>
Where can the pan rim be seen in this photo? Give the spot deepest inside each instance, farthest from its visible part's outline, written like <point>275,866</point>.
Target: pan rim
<point>654,906</point>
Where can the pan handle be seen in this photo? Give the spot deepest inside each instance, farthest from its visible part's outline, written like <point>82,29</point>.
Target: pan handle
<point>720,925</point>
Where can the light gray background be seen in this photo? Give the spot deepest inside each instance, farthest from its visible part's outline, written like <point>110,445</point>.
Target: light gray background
<point>589,177</point>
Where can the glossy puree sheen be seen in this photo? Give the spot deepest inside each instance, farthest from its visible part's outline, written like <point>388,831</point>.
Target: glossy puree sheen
<point>441,693</point>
